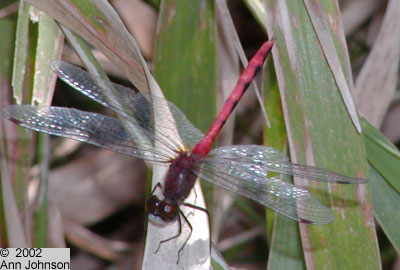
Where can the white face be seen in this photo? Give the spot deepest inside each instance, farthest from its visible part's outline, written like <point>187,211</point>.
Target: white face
<point>157,221</point>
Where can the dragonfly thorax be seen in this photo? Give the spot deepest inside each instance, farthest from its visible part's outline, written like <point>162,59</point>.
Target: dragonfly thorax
<point>180,178</point>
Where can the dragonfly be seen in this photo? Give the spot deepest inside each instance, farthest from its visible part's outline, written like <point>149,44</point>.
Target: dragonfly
<point>242,169</point>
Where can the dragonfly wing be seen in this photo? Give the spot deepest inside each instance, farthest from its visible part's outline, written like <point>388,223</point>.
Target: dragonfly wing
<point>187,131</point>
<point>267,159</point>
<point>93,128</point>
<point>135,107</point>
<point>291,201</point>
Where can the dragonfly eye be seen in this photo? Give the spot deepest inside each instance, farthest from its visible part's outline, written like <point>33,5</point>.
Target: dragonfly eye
<point>168,211</point>
<point>152,203</point>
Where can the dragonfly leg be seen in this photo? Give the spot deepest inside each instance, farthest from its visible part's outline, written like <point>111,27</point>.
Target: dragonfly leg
<point>187,239</point>
<point>175,236</point>
<point>158,185</point>
<point>198,208</point>
<point>180,228</point>
<point>204,210</point>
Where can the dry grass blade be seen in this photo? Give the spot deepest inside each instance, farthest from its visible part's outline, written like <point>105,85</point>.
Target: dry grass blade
<point>227,21</point>
<point>185,36</point>
<point>228,74</point>
<point>376,83</point>
<point>12,228</point>
<point>99,24</point>
<point>356,12</point>
<point>258,11</point>
<point>15,230</point>
<point>10,9</point>
<point>141,21</point>
<point>55,228</point>
<point>104,248</point>
<point>195,254</point>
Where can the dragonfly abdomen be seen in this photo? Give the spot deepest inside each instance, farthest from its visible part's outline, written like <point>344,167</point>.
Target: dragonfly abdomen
<point>204,146</point>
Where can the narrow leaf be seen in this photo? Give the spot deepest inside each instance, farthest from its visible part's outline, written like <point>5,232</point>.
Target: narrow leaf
<point>386,207</point>
<point>328,33</point>
<point>321,133</point>
<point>49,46</point>
<point>21,52</point>
<point>12,231</point>
<point>285,251</point>
<point>99,24</point>
<point>382,154</point>
<point>186,38</point>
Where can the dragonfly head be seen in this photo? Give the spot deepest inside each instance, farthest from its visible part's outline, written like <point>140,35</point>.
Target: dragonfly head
<point>161,212</point>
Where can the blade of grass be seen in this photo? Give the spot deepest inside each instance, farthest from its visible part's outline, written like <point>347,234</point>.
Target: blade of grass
<point>21,93</point>
<point>382,154</point>
<point>329,32</point>
<point>228,71</point>
<point>218,262</point>
<point>8,7</point>
<point>49,46</point>
<point>275,135</point>
<point>384,160</point>
<point>386,207</point>
<point>378,78</point>
<point>227,19</point>
<point>321,133</point>
<point>12,230</point>
<point>21,52</point>
<point>285,251</point>
<point>40,214</point>
<point>258,11</point>
<point>186,38</point>
<point>99,24</point>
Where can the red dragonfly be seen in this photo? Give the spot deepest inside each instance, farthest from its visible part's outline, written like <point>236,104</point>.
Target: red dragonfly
<point>242,169</point>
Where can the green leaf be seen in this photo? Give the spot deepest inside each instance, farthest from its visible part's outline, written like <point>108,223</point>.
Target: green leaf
<point>286,251</point>
<point>382,154</point>
<point>49,46</point>
<point>386,202</point>
<point>21,54</point>
<point>185,58</point>
<point>185,67</point>
<point>321,133</point>
<point>187,38</point>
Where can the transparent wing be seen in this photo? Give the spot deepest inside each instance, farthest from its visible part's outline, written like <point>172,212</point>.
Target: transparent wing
<point>134,107</point>
<point>261,160</point>
<point>291,201</point>
<point>244,169</point>
<point>93,128</point>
